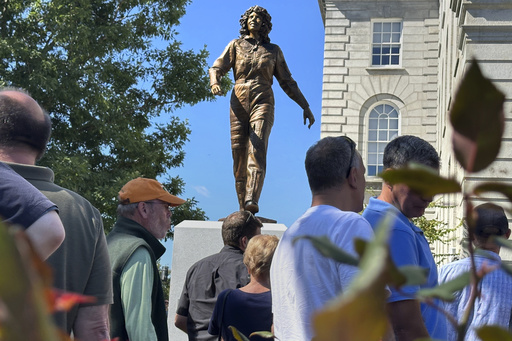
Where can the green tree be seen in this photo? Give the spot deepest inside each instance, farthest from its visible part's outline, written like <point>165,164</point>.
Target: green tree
<point>105,71</point>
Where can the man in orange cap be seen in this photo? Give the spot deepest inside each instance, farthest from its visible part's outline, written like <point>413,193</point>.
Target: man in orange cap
<point>144,217</point>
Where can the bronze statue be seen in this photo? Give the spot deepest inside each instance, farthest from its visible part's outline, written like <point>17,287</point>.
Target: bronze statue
<point>255,61</point>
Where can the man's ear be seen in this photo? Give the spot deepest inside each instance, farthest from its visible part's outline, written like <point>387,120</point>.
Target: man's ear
<point>142,208</point>
<point>352,177</point>
<point>243,243</point>
<point>507,234</point>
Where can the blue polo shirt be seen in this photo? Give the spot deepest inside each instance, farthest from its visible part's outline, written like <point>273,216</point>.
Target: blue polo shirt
<point>408,246</point>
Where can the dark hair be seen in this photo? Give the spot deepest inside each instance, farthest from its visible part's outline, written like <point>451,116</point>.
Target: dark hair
<point>407,148</point>
<point>327,162</point>
<point>237,225</point>
<point>491,221</point>
<point>18,127</point>
<point>266,25</point>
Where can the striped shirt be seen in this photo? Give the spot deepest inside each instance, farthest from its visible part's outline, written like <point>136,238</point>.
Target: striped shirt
<point>492,307</point>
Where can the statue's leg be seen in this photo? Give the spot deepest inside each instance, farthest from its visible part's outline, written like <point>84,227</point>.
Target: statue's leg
<point>256,162</point>
<point>239,120</point>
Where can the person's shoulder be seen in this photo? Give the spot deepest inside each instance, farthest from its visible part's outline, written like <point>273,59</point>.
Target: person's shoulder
<point>42,179</point>
<point>377,206</point>
<point>230,291</point>
<point>141,253</point>
<point>453,269</point>
<point>206,261</point>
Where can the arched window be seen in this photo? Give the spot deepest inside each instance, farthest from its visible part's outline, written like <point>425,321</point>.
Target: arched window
<point>382,128</point>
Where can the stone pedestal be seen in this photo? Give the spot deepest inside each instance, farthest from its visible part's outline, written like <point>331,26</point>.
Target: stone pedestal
<point>194,240</point>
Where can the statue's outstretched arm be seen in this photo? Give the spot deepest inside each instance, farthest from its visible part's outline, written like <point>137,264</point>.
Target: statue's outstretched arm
<point>220,67</point>
<point>290,87</point>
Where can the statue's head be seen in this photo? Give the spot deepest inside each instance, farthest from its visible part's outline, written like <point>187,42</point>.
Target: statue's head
<point>266,25</point>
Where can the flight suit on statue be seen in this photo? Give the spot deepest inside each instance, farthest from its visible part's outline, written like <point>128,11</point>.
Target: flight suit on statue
<point>254,65</point>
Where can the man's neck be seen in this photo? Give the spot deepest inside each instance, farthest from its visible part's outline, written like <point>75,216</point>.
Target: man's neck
<point>16,156</point>
<point>337,197</point>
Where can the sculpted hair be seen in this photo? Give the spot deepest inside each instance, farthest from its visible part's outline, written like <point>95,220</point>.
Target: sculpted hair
<point>19,128</point>
<point>237,225</point>
<point>404,149</point>
<point>266,24</point>
<point>327,162</point>
<point>258,254</point>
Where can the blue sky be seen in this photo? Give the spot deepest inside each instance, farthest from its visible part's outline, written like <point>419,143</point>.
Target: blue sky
<point>207,171</point>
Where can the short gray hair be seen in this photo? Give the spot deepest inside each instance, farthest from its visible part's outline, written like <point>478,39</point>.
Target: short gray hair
<point>127,210</point>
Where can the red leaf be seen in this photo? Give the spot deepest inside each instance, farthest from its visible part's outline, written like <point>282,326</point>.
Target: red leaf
<point>64,301</point>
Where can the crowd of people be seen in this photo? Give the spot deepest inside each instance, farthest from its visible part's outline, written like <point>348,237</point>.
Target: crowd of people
<point>256,282</point>
<point>245,285</point>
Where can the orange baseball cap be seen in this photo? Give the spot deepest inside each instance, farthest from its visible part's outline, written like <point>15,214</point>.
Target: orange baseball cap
<point>142,189</point>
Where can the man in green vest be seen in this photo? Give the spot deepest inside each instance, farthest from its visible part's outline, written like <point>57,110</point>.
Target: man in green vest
<point>144,217</point>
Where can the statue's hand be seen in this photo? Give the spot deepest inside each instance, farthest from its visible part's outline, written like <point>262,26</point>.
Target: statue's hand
<point>216,90</point>
<point>308,115</point>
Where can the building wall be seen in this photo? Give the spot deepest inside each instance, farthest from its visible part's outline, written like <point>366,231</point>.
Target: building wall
<point>352,86</point>
<point>440,37</point>
<point>480,29</point>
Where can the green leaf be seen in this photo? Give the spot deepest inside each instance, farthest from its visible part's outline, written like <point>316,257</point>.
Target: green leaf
<point>329,250</point>
<point>493,333</point>
<point>485,187</point>
<point>238,336</point>
<point>359,313</point>
<point>507,268</point>
<point>421,179</point>
<point>263,334</point>
<point>360,246</point>
<point>502,242</point>
<point>478,120</point>
<point>505,243</point>
<point>446,290</point>
<point>415,275</point>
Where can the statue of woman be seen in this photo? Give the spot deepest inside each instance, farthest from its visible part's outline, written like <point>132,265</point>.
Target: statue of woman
<point>255,61</point>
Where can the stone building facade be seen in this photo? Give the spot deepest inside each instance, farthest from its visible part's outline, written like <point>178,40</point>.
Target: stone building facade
<point>392,68</point>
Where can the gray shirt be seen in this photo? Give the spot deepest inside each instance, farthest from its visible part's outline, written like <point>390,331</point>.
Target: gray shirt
<point>204,282</point>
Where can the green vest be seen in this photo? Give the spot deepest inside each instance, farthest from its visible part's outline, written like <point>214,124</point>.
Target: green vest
<point>126,236</point>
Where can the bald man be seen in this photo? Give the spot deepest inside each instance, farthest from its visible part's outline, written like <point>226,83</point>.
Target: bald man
<point>81,264</point>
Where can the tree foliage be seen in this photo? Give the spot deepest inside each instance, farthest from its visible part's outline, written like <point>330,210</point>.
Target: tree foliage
<point>106,71</point>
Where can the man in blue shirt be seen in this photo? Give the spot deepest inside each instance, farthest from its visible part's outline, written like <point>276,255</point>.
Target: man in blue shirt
<point>408,246</point>
<point>494,304</point>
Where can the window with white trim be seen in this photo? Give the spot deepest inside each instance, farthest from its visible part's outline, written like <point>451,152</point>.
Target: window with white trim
<point>386,43</point>
<point>382,128</point>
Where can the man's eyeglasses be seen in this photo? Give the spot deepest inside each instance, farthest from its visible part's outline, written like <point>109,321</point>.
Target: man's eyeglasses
<point>169,208</point>
<point>352,153</point>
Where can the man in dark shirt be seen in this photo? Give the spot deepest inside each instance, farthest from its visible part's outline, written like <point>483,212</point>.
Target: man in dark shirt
<point>213,274</point>
<point>81,264</point>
